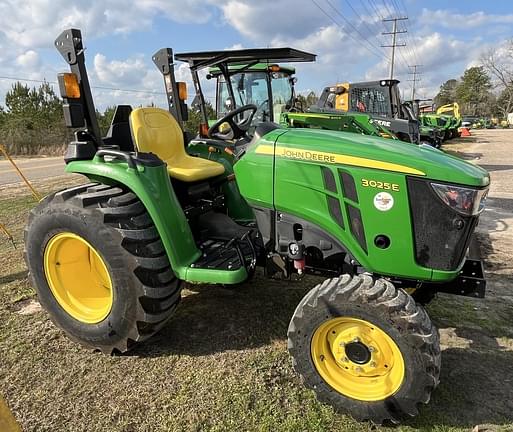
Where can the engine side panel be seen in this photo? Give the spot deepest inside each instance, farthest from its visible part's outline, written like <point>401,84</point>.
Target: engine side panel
<point>361,207</point>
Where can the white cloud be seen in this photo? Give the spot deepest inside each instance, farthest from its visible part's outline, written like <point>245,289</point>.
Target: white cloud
<point>29,59</point>
<point>237,46</point>
<point>27,28</point>
<point>436,53</point>
<point>264,20</point>
<point>130,72</point>
<point>36,23</point>
<point>133,73</point>
<point>454,20</point>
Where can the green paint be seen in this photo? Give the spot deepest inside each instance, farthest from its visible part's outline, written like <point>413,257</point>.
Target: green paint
<point>153,187</point>
<point>359,123</point>
<point>296,186</point>
<point>238,208</point>
<point>228,277</point>
<point>255,173</point>
<point>299,190</point>
<point>434,163</point>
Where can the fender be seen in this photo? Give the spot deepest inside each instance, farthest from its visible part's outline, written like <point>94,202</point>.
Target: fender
<point>152,186</point>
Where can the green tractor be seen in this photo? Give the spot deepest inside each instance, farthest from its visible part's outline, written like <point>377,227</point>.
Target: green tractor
<point>443,123</point>
<point>447,119</point>
<point>451,112</point>
<point>271,88</point>
<point>384,222</point>
<point>435,133</point>
<point>382,101</point>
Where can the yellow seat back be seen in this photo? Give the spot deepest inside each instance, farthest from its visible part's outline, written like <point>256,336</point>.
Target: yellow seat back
<point>155,130</point>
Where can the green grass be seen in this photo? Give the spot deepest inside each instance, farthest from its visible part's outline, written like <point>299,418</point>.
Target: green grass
<point>221,364</point>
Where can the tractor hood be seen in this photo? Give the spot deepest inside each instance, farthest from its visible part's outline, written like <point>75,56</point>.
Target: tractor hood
<point>332,147</point>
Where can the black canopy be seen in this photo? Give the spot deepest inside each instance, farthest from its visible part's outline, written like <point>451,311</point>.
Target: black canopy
<point>198,60</point>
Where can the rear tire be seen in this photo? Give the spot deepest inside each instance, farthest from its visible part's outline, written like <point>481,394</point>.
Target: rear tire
<point>368,306</point>
<point>117,227</point>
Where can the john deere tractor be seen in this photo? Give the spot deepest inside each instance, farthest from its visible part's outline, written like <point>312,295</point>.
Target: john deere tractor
<point>381,221</point>
<point>271,88</point>
<point>382,100</point>
<point>452,113</point>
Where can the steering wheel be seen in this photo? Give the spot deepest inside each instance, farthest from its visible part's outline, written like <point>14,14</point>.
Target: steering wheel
<point>238,129</point>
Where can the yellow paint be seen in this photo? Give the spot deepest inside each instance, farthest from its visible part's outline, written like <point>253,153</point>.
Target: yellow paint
<point>379,378</point>
<point>335,158</point>
<point>78,278</point>
<point>450,109</point>
<point>155,130</point>
<point>342,100</point>
<point>7,421</point>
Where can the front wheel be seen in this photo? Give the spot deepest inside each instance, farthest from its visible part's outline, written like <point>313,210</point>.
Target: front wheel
<point>366,348</point>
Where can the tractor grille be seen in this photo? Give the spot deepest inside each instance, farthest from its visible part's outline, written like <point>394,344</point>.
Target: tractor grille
<point>439,244</point>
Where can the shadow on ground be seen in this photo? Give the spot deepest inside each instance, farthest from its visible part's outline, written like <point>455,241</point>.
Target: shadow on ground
<point>213,319</point>
<point>476,382</point>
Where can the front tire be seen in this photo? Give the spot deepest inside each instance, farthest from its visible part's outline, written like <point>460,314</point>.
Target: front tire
<point>366,348</point>
<point>99,267</point>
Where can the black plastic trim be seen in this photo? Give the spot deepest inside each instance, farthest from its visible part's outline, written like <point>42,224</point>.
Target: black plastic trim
<point>335,211</point>
<point>441,235</point>
<point>348,185</point>
<point>329,179</point>
<point>356,224</point>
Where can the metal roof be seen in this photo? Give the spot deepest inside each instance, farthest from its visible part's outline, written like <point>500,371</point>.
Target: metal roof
<point>203,59</point>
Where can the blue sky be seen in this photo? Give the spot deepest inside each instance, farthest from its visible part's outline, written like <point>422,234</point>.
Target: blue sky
<point>120,36</point>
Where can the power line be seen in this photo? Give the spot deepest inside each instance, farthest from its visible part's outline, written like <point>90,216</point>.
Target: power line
<point>415,79</point>
<point>411,47</point>
<point>95,87</point>
<point>386,7</point>
<point>43,81</point>
<point>354,28</point>
<point>391,12</point>
<point>361,20</point>
<point>381,17</point>
<point>345,32</point>
<point>394,33</point>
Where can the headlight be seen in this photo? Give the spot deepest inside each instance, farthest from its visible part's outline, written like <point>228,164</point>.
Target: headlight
<point>466,201</point>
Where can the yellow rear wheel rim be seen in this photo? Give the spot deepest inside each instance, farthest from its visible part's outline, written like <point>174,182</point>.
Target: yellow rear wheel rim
<point>376,373</point>
<point>78,278</point>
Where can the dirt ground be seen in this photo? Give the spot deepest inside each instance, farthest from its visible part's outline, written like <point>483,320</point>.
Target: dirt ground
<point>221,364</point>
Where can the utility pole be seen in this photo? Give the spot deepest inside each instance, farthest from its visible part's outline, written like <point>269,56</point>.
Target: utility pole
<point>414,80</point>
<point>394,32</point>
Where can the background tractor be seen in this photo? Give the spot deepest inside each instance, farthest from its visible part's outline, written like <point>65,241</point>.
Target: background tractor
<point>382,100</point>
<point>447,118</point>
<point>452,113</point>
<point>375,218</point>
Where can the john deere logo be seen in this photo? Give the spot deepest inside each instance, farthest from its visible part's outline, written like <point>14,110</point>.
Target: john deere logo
<point>307,155</point>
<point>382,123</point>
<point>383,201</point>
